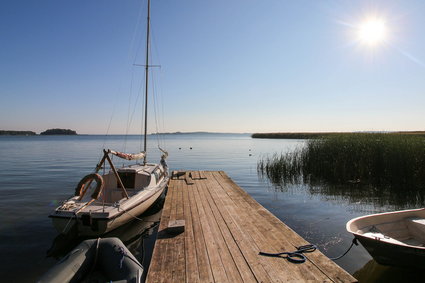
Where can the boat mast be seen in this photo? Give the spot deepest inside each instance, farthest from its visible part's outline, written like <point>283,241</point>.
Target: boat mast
<point>146,80</point>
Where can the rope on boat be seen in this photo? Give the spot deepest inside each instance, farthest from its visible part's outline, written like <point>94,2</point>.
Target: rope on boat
<point>95,255</point>
<point>122,251</point>
<point>64,231</point>
<point>354,242</point>
<point>296,256</point>
<point>140,219</point>
<point>135,217</point>
<point>124,255</point>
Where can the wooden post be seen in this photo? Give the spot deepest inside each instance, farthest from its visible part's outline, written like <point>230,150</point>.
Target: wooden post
<point>99,166</point>
<point>116,174</point>
<point>81,208</point>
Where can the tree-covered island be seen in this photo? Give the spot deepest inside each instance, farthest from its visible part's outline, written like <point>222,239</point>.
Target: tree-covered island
<point>58,132</point>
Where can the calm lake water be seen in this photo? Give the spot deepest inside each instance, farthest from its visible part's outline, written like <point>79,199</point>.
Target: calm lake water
<point>37,172</point>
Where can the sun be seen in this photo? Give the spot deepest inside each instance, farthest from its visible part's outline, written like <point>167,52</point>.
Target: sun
<point>372,32</point>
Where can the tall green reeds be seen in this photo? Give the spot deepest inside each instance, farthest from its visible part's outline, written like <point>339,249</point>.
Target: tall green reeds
<point>378,159</point>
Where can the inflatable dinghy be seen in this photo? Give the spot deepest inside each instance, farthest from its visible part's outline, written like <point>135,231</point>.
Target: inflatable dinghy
<point>101,260</point>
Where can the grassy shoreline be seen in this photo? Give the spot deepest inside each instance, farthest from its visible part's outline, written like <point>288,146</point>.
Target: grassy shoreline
<point>390,160</point>
<point>314,135</point>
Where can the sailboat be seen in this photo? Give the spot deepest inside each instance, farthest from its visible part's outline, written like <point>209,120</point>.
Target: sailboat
<point>103,202</point>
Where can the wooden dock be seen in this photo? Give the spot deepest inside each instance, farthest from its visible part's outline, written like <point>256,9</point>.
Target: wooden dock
<point>212,231</point>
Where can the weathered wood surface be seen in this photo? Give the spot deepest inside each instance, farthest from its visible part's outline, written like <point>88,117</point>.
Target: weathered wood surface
<point>224,230</point>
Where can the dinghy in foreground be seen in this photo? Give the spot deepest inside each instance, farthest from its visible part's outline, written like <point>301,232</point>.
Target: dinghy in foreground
<point>393,238</point>
<point>101,260</point>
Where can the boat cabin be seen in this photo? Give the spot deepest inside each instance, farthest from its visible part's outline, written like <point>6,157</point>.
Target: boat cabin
<point>135,178</point>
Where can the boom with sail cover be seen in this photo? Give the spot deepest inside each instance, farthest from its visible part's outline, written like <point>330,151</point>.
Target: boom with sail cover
<point>128,156</point>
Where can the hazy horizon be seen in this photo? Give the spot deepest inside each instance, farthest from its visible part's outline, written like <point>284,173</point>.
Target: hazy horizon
<point>228,133</point>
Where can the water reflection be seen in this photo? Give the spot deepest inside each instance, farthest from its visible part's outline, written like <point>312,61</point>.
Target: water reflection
<point>138,236</point>
<point>390,198</point>
<point>319,213</point>
<point>363,198</point>
<point>374,272</point>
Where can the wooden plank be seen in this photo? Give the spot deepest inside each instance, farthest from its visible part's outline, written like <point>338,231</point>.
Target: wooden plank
<point>224,231</point>
<point>217,267</point>
<point>237,255</point>
<point>252,225</point>
<point>280,230</point>
<point>168,246</point>
<point>279,243</point>
<point>192,269</point>
<point>225,255</point>
<point>266,240</point>
<point>204,266</point>
<point>188,180</point>
<point>263,268</point>
<point>160,252</point>
<point>202,175</point>
<point>179,264</point>
<point>195,175</point>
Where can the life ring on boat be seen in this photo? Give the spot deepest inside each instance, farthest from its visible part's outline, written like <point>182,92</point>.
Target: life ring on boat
<point>86,181</point>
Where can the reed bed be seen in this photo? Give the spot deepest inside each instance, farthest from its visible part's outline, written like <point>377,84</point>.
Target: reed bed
<point>389,160</point>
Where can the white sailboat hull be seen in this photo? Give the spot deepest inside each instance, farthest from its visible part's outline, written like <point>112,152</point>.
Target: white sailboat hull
<point>99,218</point>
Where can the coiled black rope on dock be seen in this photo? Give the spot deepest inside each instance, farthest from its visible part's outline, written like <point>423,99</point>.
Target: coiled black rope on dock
<point>298,256</point>
<point>354,242</point>
<point>294,257</point>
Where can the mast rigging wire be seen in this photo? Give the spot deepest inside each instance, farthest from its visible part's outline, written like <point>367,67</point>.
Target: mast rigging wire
<point>130,51</point>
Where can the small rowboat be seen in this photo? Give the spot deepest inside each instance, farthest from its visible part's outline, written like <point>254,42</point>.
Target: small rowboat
<point>393,238</point>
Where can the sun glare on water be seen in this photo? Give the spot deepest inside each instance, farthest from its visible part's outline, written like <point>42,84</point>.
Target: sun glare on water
<point>372,32</point>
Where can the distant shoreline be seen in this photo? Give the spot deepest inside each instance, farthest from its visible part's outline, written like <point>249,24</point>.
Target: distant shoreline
<point>30,133</point>
<point>49,132</point>
<point>278,135</point>
<point>17,133</point>
<point>313,135</point>
<point>200,133</point>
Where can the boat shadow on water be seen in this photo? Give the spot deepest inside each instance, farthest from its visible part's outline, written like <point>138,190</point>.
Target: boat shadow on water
<point>375,272</point>
<point>138,236</point>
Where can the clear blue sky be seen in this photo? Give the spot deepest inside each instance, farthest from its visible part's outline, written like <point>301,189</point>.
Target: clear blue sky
<point>226,66</point>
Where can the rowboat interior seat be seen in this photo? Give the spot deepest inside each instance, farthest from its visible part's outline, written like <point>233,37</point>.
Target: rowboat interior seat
<point>382,237</point>
<point>406,231</point>
<point>416,228</point>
